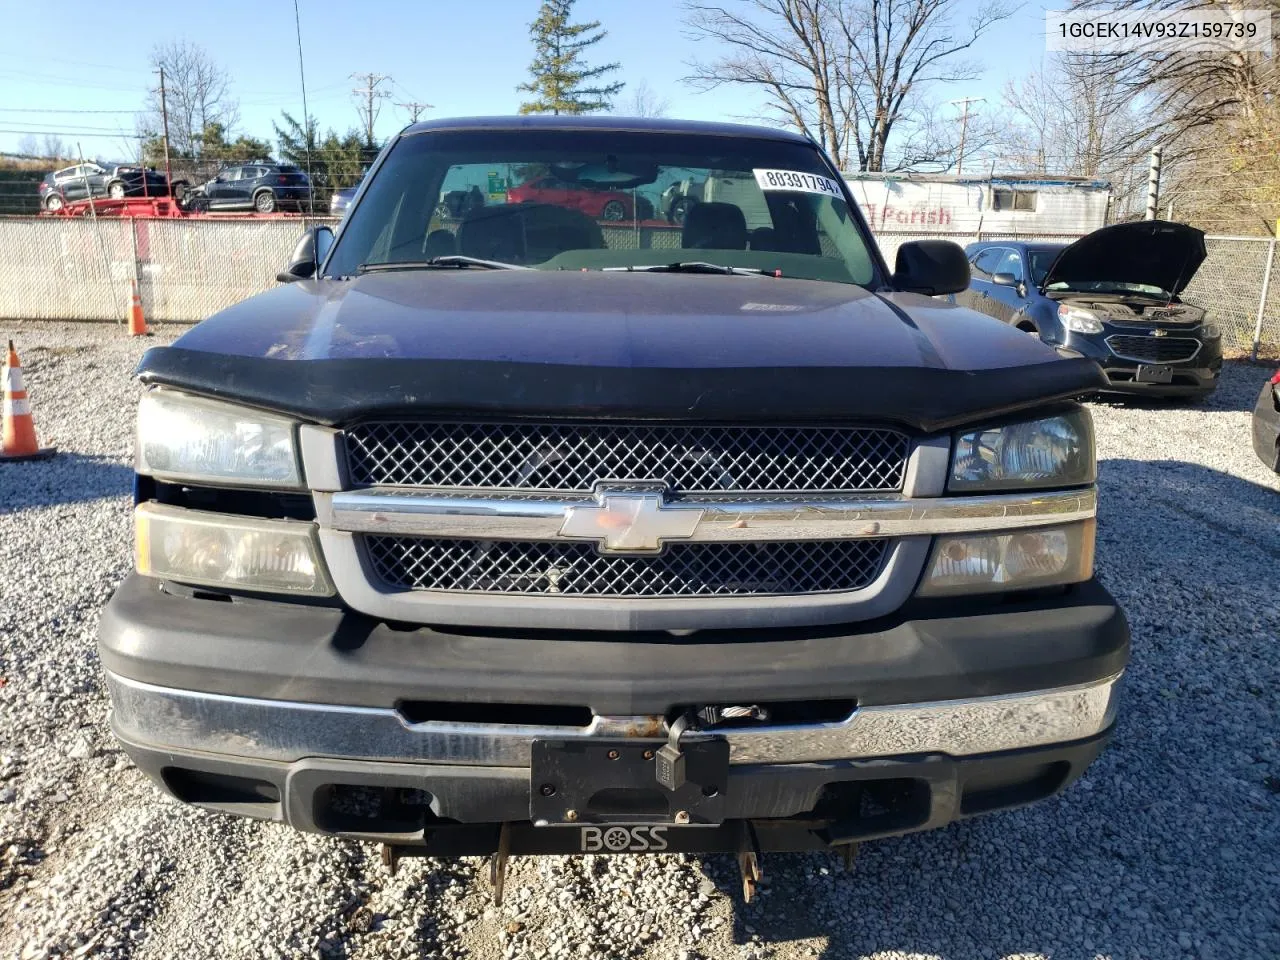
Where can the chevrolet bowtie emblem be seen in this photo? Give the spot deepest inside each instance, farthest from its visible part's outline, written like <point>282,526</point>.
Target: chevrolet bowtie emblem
<point>1159,333</point>
<point>630,522</point>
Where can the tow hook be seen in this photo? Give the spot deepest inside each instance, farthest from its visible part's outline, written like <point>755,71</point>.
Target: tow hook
<point>749,860</point>
<point>498,864</point>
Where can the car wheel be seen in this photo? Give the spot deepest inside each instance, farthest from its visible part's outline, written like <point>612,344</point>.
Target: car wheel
<point>116,191</point>
<point>614,210</point>
<point>53,202</point>
<point>265,202</point>
<point>679,210</point>
<point>198,205</point>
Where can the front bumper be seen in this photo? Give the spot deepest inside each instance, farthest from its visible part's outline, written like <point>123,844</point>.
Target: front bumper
<point>1197,377</point>
<point>288,712</point>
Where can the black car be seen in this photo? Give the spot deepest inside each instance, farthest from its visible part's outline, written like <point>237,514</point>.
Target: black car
<point>94,179</point>
<point>263,186</point>
<point>546,541</point>
<point>1111,296</point>
<point>1266,423</point>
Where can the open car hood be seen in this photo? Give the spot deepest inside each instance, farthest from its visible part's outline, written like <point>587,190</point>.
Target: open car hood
<point>1156,253</point>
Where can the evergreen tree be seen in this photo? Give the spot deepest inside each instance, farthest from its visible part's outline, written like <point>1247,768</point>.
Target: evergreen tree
<point>562,82</point>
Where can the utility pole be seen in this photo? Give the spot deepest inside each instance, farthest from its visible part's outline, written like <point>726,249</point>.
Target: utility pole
<point>414,109</point>
<point>964,126</point>
<point>369,94</point>
<point>1153,182</point>
<point>164,117</point>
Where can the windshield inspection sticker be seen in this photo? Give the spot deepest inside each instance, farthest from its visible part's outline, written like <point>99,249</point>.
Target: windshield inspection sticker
<point>799,182</point>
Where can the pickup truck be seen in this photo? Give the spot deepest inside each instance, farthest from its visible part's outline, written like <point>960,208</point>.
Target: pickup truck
<point>531,534</point>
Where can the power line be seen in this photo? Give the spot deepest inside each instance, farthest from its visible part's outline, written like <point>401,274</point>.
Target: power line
<point>414,109</point>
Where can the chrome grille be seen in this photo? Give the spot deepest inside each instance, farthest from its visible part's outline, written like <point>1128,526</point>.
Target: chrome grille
<point>1154,349</point>
<point>573,457</point>
<point>577,569</point>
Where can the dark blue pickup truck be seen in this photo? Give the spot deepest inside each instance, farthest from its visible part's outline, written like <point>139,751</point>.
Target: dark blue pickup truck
<point>525,532</point>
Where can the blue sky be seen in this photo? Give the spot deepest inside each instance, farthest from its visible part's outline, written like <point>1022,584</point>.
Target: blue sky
<point>465,58</point>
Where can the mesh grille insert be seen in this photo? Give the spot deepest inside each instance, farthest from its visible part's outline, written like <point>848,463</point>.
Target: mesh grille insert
<point>573,457</point>
<point>577,569</point>
<point>1154,349</point>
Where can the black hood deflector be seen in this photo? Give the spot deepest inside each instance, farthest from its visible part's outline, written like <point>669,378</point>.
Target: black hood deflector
<point>1152,252</point>
<point>342,391</point>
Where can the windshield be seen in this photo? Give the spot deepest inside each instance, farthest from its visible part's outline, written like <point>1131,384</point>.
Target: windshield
<point>595,200</point>
<point>1039,261</point>
<point>1110,286</point>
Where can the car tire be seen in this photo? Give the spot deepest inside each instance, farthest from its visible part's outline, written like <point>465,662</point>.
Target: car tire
<point>198,205</point>
<point>614,210</point>
<point>679,210</point>
<point>264,202</point>
<point>54,202</point>
<point>116,190</point>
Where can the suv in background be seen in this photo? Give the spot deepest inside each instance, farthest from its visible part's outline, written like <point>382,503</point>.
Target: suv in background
<point>557,542</point>
<point>264,186</point>
<point>1112,296</point>
<point>92,179</point>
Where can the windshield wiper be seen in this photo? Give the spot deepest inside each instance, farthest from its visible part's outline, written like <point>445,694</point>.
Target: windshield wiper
<point>689,266</point>
<point>451,260</point>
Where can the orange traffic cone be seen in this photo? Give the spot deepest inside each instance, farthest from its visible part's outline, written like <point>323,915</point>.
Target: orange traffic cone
<point>137,322</point>
<point>19,441</point>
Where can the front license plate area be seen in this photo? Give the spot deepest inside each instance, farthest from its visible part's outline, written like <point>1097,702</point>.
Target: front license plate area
<point>614,781</point>
<point>1154,373</point>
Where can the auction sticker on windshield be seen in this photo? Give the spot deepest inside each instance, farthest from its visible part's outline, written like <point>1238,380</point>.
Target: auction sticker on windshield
<point>794,180</point>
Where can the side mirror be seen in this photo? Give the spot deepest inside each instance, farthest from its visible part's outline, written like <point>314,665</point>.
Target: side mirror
<point>1005,280</point>
<point>308,255</point>
<point>931,267</point>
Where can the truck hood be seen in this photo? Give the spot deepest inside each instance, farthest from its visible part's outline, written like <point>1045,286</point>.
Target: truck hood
<point>1152,252</point>
<point>617,345</point>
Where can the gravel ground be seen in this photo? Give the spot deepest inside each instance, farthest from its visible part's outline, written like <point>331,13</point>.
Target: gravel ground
<point>1169,847</point>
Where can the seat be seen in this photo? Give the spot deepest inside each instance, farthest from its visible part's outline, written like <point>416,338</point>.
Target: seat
<point>440,243</point>
<point>492,233</point>
<point>714,226</point>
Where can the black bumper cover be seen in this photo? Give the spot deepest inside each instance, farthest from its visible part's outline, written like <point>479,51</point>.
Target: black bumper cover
<point>928,650</point>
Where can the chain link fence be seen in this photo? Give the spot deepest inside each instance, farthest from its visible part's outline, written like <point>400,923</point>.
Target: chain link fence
<point>58,268</point>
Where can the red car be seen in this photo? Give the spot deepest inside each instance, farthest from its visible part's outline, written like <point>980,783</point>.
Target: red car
<point>597,202</point>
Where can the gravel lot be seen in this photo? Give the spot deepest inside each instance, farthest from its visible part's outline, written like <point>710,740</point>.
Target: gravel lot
<point>1170,846</point>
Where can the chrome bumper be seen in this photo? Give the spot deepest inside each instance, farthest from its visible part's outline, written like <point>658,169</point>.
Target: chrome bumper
<point>287,731</point>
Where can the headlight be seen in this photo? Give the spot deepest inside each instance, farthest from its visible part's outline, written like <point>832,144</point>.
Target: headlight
<point>1210,331</point>
<point>1053,452</point>
<point>1079,321</point>
<point>222,550</point>
<point>1040,557</point>
<point>182,437</point>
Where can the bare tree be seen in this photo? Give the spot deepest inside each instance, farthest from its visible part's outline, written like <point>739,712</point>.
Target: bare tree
<point>28,146</point>
<point>53,147</point>
<point>197,92</point>
<point>1073,117</point>
<point>644,102</point>
<point>851,73</point>
<point>1189,90</point>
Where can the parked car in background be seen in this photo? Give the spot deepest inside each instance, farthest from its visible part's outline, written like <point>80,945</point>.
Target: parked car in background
<point>341,199</point>
<point>264,186</point>
<point>95,179</point>
<point>602,203</point>
<point>678,198</point>
<point>1266,423</point>
<point>1111,296</point>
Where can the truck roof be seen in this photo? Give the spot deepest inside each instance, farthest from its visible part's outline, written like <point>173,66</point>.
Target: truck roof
<point>611,123</point>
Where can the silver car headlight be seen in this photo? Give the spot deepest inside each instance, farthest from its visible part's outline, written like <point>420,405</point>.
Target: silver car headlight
<point>1050,452</point>
<point>181,437</point>
<point>225,550</point>
<point>1079,320</point>
<point>1018,560</point>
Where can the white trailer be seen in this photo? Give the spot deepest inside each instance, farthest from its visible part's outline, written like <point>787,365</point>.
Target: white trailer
<point>1007,205</point>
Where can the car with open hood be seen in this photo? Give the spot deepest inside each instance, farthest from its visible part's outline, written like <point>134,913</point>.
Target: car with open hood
<point>1112,296</point>
<point>506,528</point>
